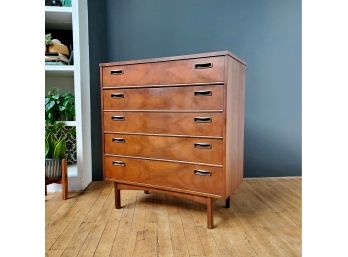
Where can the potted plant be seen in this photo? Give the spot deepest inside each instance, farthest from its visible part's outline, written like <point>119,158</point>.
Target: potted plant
<point>61,107</point>
<point>48,39</point>
<point>55,147</point>
<point>55,152</point>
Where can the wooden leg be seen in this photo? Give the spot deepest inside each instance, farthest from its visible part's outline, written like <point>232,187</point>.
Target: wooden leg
<point>146,192</point>
<point>210,214</point>
<point>117,197</point>
<point>228,200</point>
<point>45,189</point>
<point>64,180</point>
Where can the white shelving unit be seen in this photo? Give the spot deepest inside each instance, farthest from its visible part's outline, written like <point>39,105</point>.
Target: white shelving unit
<point>58,17</point>
<point>59,70</point>
<point>75,79</point>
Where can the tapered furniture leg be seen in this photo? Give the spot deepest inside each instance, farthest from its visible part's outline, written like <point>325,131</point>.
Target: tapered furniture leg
<point>146,192</point>
<point>117,197</point>
<point>228,200</point>
<point>210,214</point>
<point>64,180</point>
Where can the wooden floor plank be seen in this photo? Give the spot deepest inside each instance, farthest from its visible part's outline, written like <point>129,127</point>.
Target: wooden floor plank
<point>89,246</point>
<point>209,245</point>
<point>108,236</point>
<point>122,243</point>
<point>264,220</point>
<point>59,231</point>
<point>177,234</point>
<point>89,221</point>
<point>142,232</point>
<point>164,241</point>
<point>194,244</point>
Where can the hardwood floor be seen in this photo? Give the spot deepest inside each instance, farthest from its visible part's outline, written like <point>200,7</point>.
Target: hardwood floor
<point>264,220</point>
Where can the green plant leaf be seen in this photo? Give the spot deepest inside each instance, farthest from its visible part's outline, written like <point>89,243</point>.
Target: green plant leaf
<point>50,104</point>
<point>49,144</point>
<point>59,106</point>
<point>48,38</point>
<point>47,147</point>
<point>59,150</point>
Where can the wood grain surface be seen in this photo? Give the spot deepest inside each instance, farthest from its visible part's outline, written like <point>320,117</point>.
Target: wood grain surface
<point>179,71</point>
<point>202,150</point>
<point>164,123</point>
<point>165,98</point>
<point>234,130</point>
<point>264,221</point>
<point>167,174</point>
<point>175,124</point>
<point>175,58</point>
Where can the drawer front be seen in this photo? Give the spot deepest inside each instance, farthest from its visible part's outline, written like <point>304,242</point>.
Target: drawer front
<point>168,174</point>
<point>165,98</point>
<point>198,124</point>
<point>199,150</point>
<point>200,70</point>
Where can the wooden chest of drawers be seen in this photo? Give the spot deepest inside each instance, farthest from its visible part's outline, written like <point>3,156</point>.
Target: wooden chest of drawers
<point>175,125</point>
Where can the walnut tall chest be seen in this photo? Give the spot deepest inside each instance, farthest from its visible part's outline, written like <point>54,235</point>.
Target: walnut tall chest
<point>175,125</point>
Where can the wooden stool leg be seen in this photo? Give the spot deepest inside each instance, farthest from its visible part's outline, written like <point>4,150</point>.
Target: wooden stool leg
<point>146,192</point>
<point>210,214</point>
<point>117,197</point>
<point>64,180</point>
<point>228,200</point>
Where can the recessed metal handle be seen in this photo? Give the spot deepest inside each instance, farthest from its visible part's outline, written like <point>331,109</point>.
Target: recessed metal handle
<point>202,119</point>
<point>118,118</point>
<point>202,145</point>
<point>118,140</point>
<point>117,95</point>
<point>203,93</point>
<point>118,163</point>
<point>203,65</point>
<point>116,72</point>
<point>202,172</point>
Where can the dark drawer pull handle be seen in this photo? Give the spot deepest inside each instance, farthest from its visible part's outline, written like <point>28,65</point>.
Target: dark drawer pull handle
<point>118,140</point>
<point>117,95</point>
<point>117,118</point>
<point>202,145</point>
<point>202,172</point>
<point>116,72</point>
<point>118,163</point>
<point>204,93</point>
<point>203,65</point>
<point>202,119</point>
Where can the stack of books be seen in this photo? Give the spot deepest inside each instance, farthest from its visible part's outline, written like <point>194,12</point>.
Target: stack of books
<point>56,59</point>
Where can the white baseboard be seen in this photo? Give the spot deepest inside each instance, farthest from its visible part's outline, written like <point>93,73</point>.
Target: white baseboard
<point>74,181</point>
<point>289,177</point>
<point>74,185</point>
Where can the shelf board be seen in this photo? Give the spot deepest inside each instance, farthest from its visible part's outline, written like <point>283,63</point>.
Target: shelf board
<point>70,123</point>
<point>64,70</point>
<point>58,17</point>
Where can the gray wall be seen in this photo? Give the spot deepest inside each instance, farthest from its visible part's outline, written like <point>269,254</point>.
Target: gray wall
<point>265,33</point>
<point>97,54</point>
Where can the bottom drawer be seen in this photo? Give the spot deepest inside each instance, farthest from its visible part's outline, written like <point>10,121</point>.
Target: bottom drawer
<point>192,177</point>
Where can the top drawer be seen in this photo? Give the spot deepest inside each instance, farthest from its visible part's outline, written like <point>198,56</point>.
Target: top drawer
<point>200,70</point>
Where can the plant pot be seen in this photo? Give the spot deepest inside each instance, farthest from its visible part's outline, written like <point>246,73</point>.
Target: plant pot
<point>53,168</point>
